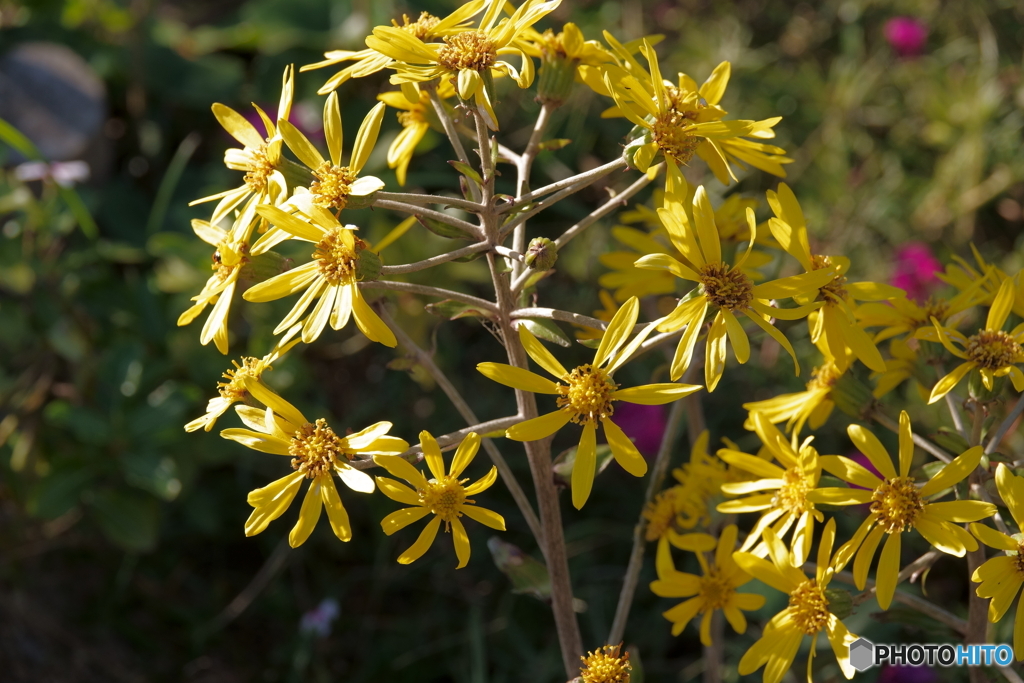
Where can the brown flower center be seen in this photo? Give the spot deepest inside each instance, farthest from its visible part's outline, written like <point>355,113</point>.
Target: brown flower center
<point>824,377</point>
<point>725,287</point>
<point>809,607</point>
<point>896,504</point>
<point>672,130</point>
<point>317,450</point>
<point>587,394</point>
<point>468,50</point>
<point>993,349</point>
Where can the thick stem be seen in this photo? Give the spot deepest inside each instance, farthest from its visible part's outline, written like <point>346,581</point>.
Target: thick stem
<point>615,202</point>
<point>523,169</point>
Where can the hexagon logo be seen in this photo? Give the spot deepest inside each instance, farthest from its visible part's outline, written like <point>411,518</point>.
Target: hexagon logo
<point>862,654</point>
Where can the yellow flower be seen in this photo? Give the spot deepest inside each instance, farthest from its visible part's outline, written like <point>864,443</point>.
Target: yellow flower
<point>416,118</point>
<point>992,351</point>
<point>812,405</point>
<point>715,590</point>
<point>317,453</point>
<point>606,665</point>
<point>1002,576</point>
<point>902,317</point>
<point>898,505</point>
<point>336,185</point>
<point>808,612</point>
<point>469,58</point>
<point>902,364</point>
<point>329,279</point>
<point>782,495</point>
<point>833,324</point>
<point>445,496</point>
<point>561,56</point>
<point>259,157</point>
<point>684,120</point>
<point>700,481</point>
<point>963,276</point>
<point>368,62</point>
<point>723,286</point>
<point>586,396</point>
<point>230,256</point>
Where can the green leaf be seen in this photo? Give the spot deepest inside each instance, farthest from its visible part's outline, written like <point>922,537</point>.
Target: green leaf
<point>443,229</point>
<point>130,520</point>
<point>551,145</point>
<point>451,310</point>
<point>528,576</point>
<point>950,441</point>
<point>467,170</point>
<point>563,464</point>
<point>547,330</point>
<point>589,343</point>
<point>152,472</point>
<point>56,494</point>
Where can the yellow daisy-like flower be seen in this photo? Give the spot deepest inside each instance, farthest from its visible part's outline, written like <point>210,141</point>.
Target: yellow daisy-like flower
<point>700,481</point>
<point>902,318</point>
<point>329,279</point>
<point>231,254</point>
<point>336,185</point>
<point>416,118</point>
<point>834,324</point>
<point>902,364</point>
<point>469,58</point>
<point>963,276</point>
<point>586,396</point>
<point>1002,576</point>
<point>993,352</point>
<point>808,612</point>
<point>607,664</point>
<point>260,158</point>
<point>715,590</point>
<point>723,286</point>
<point>317,453</point>
<point>782,495</point>
<point>813,405</point>
<point>561,55</point>
<point>899,505</point>
<point>684,120</point>
<point>368,62</point>
<point>445,496</point>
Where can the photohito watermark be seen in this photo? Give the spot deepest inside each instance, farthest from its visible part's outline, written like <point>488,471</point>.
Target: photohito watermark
<point>864,654</point>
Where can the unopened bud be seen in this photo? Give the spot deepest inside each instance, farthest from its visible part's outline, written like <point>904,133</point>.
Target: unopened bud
<point>851,396</point>
<point>840,602</point>
<point>265,266</point>
<point>557,75</point>
<point>541,254</point>
<point>979,392</point>
<point>367,263</point>
<point>353,201</point>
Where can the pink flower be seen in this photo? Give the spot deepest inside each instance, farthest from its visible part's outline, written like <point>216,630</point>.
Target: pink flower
<point>643,424</point>
<point>906,35</point>
<point>915,270</point>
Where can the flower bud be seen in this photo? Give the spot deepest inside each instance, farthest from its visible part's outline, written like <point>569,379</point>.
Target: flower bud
<point>557,71</point>
<point>979,392</point>
<point>541,254</point>
<point>367,263</point>
<point>840,602</point>
<point>265,266</point>
<point>851,396</point>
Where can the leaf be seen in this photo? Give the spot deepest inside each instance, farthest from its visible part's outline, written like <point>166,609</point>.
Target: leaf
<point>443,229</point>
<point>551,145</point>
<point>467,170</point>
<point>130,520</point>
<point>58,493</point>
<point>547,330</point>
<point>950,441</point>
<point>589,343</point>
<point>528,576</point>
<point>451,310</point>
<point>536,277</point>
<point>563,464</point>
<point>152,472</point>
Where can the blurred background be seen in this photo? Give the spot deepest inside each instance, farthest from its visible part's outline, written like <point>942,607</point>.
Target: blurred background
<point>122,553</point>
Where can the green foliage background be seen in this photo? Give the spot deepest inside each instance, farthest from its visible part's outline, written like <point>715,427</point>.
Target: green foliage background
<point>122,556</point>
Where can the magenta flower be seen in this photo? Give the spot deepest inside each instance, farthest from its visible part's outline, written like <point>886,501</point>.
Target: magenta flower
<point>643,424</point>
<point>906,35</point>
<point>915,270</point>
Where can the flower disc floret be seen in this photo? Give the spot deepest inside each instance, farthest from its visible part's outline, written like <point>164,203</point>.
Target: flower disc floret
<point>587,394</point>
<point>421,28</point>
<point>336,261</point>
<point>824,377</point>
<point>234,388</point>
<point>716,590</point>
<point>835,290</point>
<point>726,287</point>
<point>443,497</point>
<point>606,665</point>
<point>660,514</point>
<point>792,495</point>
<point>317,449</point>
<point>809,607</point>
<point>896,504</point>
<point>332,186</point>
<point>993,349</point>
<point>469,50</point>
<point>260,168</point>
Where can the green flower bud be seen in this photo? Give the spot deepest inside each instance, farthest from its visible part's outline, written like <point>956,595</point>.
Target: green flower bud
<point>851,396</point>
<point>840,602</point>
<point>541,254</point>
<point>367,264</point>
<point>264,266</point>
<point>977,390</point>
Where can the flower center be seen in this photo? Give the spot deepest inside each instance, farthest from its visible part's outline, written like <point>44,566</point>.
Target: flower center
<point>726,288</point>
<point>1019,558</point>
<point>606,665</point>
<point>336,260</point>
<point>317,450</point>
<point>834,291</point>
<point>715,591</point>
<point>934,309</point>
<point>672,129</point>
<point>420,28</point>
<point>660,514</point>
<point>551,45</point>
<point>227,257</point>
<point>792,495</point>
<point>332,185</point>
<point>234,388</point>
<point>260,168</point>
<point>824,377</point>
<point>411,117</point>
<point>896,504</point>
<point>809,608</point>
<point>468,50</point>
<point>444,497</point>
<point>993,349</point>
<point>588,394</point>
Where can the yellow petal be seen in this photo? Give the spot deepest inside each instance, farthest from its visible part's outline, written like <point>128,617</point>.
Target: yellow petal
<point>714,88</point>
<point>291,224</point>
<point>283,285</point>
<point>268,398</point>
<point>993,538</point>
<point>402,468</point>
<point>740,343</point>
<point>667,263</point>
<point>357,480</point>
<point>422,543</point>
<point>947,383</point>
<point>300,145</point>
<point>538,427</point>
<point>618,330</point>
<point>714,358</point>
<point>655,394</point>
<point>777,336</point>
<point>399,519</point>
<point>625,453</point>
<point>336,513</point>
<point>483,483</point>
<point>865,555</point>
<point>906,444</point>
<point>953,472</point>
<point>271,501</point>
<point>432,454</point>
<point>540,355</point>
<point>961,511</point>
<point>1001,305</point>
<point>370,324</point>
<point>366,137</point>
<point>309,514</point>
<point>888,569</point>
<point>237,126</point>
<point>484,516</point>
<point>849,471</point>
<point>868,444</point>
<point>465,453</point>
<point>332,128</point>
<point>461,542</point>
<point>585,466</point>
<point>707,233</point>
<point>397,491</point>
<point>517,378</point>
